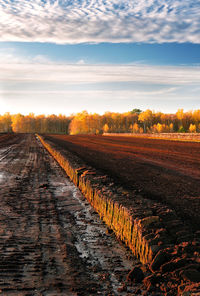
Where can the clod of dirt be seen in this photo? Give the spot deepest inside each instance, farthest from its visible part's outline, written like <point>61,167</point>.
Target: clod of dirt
<point>135,275</point>
<point>192,289</point>
<point>123,288</point>
<point>161,258</point>
<point>45,186</point>
<point>109,231</point>
<point>191,274</point>
<point>173,265</point>
<point>152,281</point>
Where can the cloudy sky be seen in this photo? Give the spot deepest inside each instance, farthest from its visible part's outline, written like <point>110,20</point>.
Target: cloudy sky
<point>65,56</point>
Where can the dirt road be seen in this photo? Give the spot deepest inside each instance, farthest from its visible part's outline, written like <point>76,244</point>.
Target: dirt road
<point>51,240</point>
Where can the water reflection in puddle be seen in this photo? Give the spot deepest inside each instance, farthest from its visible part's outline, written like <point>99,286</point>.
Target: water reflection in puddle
<point>1,177</point>
<point>98,249</point>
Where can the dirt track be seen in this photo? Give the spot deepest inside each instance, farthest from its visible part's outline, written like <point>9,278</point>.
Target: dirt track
<point>167,171</point>
<point>51,241</point>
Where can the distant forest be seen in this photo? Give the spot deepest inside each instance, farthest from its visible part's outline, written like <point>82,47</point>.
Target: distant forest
<point>135,121</point>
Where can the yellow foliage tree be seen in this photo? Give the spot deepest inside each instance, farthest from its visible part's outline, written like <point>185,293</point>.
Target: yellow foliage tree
<point>192,128</point>
<point>105,128</point>
<point>146,117</point>
<point>135,128</point>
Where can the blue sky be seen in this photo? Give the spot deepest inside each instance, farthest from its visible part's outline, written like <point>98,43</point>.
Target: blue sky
<point>64,56</point>
<point>111,53</point>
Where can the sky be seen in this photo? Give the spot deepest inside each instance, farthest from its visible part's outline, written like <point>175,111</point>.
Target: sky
<point>64,56</point>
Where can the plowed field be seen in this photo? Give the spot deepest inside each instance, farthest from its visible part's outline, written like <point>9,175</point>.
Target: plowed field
<point>167,171</point>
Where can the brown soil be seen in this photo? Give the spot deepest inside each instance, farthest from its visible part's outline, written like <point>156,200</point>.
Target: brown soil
<point>166,171</point>
<point>165,240</point>
<point>51,240</point>
<point>8,139</point>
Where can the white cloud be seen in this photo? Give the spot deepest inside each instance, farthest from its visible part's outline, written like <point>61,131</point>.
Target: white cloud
<point>64,21</point>
<point>84,73</point>
<point>81,62</point>
<point>118,93</point>
<point>42,86</point>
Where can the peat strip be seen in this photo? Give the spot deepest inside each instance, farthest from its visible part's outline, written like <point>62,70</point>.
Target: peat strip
<point>167,172</point>
<point>153,231</point>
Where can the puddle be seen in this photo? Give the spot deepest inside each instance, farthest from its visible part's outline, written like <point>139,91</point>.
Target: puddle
<point>1,177</point>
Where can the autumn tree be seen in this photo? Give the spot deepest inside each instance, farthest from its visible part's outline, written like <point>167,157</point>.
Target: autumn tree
<point>17,121</point>
<point>6,123</point>
<point>79,124</point>
<point>40,124</point>
<point>146,118</point>
<point>135,128</point>
<point>134,121</point>
<point>105,128</point>
<point>196,116</point>
<point>180,117</point>
<point>192,128</point>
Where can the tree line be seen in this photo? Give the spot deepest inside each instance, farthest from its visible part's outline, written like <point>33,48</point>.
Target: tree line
<point>135,121</point>
<point>31,123</point>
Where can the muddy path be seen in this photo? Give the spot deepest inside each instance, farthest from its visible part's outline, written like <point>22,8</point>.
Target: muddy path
<point>6,140</point>
<point>51,240</point>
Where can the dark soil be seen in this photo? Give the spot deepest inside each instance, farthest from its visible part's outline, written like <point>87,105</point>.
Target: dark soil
<point>166,171</point>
